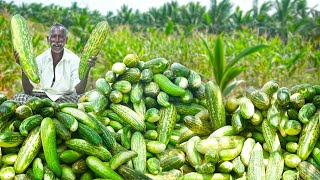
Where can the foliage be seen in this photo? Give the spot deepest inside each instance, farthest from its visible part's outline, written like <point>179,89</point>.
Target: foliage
<point>283,62</point>
<point>273,17</point>
<point>223,73</point>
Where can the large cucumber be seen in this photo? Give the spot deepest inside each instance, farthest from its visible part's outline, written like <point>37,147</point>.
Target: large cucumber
<point>93,46</point>
<point>22,43</point>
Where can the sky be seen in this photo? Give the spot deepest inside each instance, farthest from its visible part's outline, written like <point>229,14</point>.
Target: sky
<point>143,5</point>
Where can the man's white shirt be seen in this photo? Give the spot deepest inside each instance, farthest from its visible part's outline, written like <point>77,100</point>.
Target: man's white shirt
<point>66,74</point>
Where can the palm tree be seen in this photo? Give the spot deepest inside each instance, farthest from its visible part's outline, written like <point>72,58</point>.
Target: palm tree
<point>239,19</point>
<point>124,15</point>
<point>261,19</point>
<point>192,15</point>
<point>220,15</point>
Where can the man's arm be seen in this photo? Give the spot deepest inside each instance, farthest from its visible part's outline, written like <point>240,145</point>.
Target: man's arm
<point>81,86</point>
<point>27,86</point>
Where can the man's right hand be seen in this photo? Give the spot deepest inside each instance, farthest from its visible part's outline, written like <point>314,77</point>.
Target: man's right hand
<point>16,56</point>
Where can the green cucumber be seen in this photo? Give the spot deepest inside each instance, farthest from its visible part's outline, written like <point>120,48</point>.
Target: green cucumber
<point>256,169</point>
<point>85,147</point>
<point>166,123</point>
<point>309,137</point>
<point>168,86</point>
<point>28,151</point>
<point>138,145</point>
<point>97,166</point>
<point>121,157</point>
<point>48,139</point>
<point>215,105</point>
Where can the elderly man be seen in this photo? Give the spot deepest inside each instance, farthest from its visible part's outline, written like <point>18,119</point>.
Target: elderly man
<point>58,71</point>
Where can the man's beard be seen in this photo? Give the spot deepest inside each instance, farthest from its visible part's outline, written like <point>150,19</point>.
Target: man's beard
<point>57,47</point>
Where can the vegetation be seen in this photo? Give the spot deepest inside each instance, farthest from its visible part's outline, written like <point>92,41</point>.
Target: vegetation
<point>288,27</point>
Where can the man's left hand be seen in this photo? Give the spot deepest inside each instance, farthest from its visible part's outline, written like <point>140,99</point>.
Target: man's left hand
<point>92,61</point>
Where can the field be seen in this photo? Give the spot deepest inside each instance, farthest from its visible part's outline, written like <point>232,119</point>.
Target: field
<point>289,59</point>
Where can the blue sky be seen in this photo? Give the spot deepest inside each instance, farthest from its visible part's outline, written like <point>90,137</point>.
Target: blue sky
<point>143,5</point>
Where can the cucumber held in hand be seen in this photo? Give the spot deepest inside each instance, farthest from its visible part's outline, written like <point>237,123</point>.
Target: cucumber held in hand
<point>93,46</point>
<point>22,43</point>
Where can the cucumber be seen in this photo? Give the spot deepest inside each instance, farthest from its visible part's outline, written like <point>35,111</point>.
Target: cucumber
<point>306,112</point>
<point>48,139</point>
<point>103,86</point>
<point>70,156</point>
<point>179,69</point>
<point>291,160</point>
<point>258,97</point>
<point>131,75</point>
<point>157,65</point>
<point>292,127</point>
<point>309,137</point>
<point>198,126</point>
<point>146,75</point>
<point>223,131</point>
<point>66,172</point>
<point>68,120</point>
<point>29,123</point>
<point>246,107</point>
<point>192,155</point>
<point>155,147</point>
<point>212,157</point>
<point>11,139</point>
<point>173,159</point>
<point>129,116</point>
<point>256,169</point>
<point>275,166</point>
<point>7,173</point>
<point>129,173</point>
<point>97,166</point>
<point>308,171</point>
<point>153,165</point>
<point>85,147</point>
<point>138,145</point>
<point>23,112</point>
<point>271,137</point>
<point>229,154</point>
<point>90,135</point>
<point>28,151</point>
<point>61,130</point>
<point>167,86</point>
<point>238,166</point>
<point>82,117</point>
<point>121,157</point>
<point>93,46</point>
<point>22,43</point>
<point>37,168</point>
<point>166,123</point>
<point>219,143</point>
<point>215,105</point>
<point>79,166</point>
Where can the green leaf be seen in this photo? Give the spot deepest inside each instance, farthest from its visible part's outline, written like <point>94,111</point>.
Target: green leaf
<point>219,58</point>
<point>244,53</point>
<point>211,58</point>
<point>231,86</point>
<point>291,61</point>
<point>229,75</point>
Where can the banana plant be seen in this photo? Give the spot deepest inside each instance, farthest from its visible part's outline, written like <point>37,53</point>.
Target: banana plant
<point>224,73</point>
